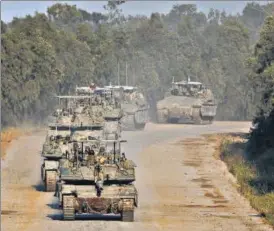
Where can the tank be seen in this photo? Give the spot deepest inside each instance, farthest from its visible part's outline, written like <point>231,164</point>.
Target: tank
<point>134,107</point>
<point>187,101</point>
<point>54,149</point>
<point>98,179</point>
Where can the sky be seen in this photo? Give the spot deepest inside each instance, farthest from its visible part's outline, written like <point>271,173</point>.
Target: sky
<point>10,9</point>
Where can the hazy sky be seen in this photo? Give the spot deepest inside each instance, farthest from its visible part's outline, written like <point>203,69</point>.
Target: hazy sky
<point>10,9</point>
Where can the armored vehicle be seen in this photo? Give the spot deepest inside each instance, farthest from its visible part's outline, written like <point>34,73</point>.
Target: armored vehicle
<point>134,107</point>
<point>98,179</point>
<point>187,101</point>
<point>54,149</point>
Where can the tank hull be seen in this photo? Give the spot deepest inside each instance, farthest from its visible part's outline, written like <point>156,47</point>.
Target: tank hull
<point>180,109</point>
<point>83,199</point>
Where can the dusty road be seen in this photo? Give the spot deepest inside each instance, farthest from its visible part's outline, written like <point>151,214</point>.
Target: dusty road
<point>181,186</point>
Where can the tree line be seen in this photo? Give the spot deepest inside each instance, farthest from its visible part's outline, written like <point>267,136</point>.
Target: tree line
<point>48,54</point>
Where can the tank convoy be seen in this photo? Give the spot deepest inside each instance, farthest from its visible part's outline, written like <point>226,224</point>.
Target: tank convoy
<point>187,101</point>
<point>83,161</point>
<point>134,106</point>
<point>78,113</point>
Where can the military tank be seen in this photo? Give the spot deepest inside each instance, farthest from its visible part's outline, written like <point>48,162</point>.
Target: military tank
<point>97,180</point>
<point>54,149</point>
<point>187,101</point>
<point>134,107</point>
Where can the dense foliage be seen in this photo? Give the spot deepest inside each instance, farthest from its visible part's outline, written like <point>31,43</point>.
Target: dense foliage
<point>262,137</point>
<point>43,55</point>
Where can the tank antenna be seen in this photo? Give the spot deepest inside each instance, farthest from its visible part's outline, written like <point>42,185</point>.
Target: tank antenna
<point>118,73</point>
<point>188,79</point>
<point>126,75</point>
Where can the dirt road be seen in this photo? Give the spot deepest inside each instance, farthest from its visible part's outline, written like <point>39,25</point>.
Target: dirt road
<point>181,186</point>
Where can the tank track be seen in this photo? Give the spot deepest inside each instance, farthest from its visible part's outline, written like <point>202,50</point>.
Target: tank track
<point>199,120</point>
<point>127,213</point>
<point>68,208</point>
<point>50,181</point>
<point>127,216</point>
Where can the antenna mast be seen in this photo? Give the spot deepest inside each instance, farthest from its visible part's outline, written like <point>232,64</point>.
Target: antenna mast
<point>126,75</point>
<point>118,73</point>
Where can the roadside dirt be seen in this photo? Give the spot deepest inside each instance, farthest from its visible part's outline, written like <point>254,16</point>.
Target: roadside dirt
<point>6,139</point>
<point>181,185</point>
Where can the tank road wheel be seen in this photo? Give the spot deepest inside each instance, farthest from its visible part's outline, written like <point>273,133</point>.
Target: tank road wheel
<point>50,181</point>
<point>197,116</point>
<point>68,208</point>
<point>128,216</point>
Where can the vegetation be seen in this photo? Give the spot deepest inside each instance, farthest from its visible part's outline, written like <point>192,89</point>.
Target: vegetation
<point>44,55</point>
<point>251,160</point>
<point>262,137</point>
<point>253,181</point>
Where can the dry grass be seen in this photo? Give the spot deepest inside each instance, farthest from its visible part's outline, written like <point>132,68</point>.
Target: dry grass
<point>230,148</point>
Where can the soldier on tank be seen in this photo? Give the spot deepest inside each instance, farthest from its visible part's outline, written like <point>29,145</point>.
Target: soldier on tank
<point>99,174</point>
<point>90,157</point>
<point>73,117</point>
<point>104,103</point>
<point>123,157</point>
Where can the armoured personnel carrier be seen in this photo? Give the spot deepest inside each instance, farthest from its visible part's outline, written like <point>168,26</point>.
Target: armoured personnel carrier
<point>187,101</point>
<point>134,107</point>
<point>54,149</point>
<point>98,179</point>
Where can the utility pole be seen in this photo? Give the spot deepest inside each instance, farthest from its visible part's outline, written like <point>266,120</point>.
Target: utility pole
<point>126,74</point>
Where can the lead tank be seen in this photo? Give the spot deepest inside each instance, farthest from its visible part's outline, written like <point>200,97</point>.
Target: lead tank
<point>187,101</point>
<point>134,107</point>
<point>97,180</point>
